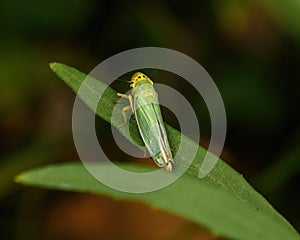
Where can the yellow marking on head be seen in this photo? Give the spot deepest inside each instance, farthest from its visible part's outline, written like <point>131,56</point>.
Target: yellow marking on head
<point>137,77</point>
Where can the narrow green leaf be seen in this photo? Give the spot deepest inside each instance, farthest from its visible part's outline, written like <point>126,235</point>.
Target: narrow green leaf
<point>224,214</point>
<point>249,215</point>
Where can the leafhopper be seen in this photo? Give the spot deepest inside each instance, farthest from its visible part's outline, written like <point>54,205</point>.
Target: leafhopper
<point>145,107</point>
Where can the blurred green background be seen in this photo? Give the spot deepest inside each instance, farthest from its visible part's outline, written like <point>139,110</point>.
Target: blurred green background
<point>250,48</point>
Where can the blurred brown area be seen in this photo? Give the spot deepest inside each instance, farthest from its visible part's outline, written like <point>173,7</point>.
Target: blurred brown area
<point>101,218</point>
<point>251,50</point>
<point>57,215</point>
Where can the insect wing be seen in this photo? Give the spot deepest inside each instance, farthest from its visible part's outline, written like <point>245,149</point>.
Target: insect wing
<point>150,123</point>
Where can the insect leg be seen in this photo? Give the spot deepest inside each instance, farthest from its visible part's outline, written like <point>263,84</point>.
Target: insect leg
<point>145,152</point>
<point>129,97</point>
<point>124,109</point>
<point>122,95</point>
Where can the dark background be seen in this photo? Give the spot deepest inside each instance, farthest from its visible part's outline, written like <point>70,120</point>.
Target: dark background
<point>251,50</point>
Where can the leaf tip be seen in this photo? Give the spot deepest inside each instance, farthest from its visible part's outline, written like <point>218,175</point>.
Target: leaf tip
<point>53,65</point>
<point>18,178</point>
<point>22,178</point>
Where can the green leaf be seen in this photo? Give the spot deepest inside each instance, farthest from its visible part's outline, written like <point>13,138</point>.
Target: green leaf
<point>223,201</point>
<point>222,213</point>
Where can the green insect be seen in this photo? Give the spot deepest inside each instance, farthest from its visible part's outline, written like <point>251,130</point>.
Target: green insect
<point>145,107</point>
